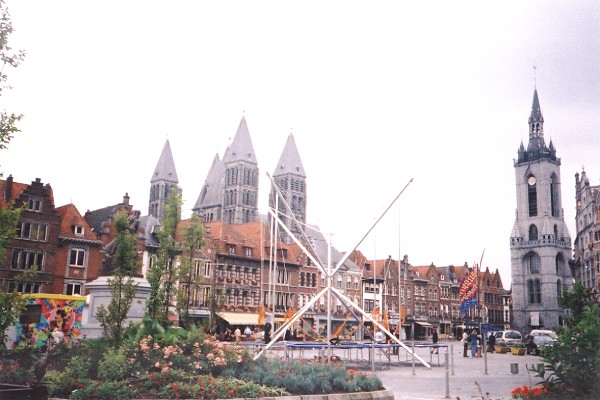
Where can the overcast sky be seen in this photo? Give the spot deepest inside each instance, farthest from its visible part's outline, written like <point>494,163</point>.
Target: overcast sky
<point>375,93</point>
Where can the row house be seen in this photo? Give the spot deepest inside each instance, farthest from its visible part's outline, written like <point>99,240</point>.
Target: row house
<point>37,236</point>
<point>248,270</point>
<point>67,249</point>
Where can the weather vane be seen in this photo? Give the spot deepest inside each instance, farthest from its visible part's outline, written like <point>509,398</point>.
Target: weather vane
<point>535,76</point>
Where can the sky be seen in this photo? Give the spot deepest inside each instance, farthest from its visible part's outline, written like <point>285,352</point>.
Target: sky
<point>376,94</point>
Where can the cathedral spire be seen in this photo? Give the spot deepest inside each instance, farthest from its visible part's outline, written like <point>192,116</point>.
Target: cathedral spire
<point>163,180</point>
<point>165,167</point>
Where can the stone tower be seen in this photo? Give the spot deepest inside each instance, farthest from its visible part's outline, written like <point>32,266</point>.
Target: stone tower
<point>230,192</point>
<point>163,179</point>
<point>290,177</point>
<point>540,244</point>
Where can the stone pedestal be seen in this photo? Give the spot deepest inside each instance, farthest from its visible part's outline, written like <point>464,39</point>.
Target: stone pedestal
<point>100,295</point>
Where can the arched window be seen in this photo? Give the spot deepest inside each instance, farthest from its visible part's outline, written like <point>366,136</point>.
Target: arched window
<point>532,261</point>
<point>532,195</point>
<point>533,232</point>
<point>534,291</point>
<point>560,263</point>
<point>554,203</point>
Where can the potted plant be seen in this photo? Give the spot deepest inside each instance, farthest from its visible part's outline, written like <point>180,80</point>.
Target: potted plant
<point>518,349</point>
<point>501,348</point>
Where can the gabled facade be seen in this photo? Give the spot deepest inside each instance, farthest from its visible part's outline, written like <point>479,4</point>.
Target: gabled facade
<point>78,257</point>
<point>102,223</point>
<point>540,243</point>
<point>36,241</point>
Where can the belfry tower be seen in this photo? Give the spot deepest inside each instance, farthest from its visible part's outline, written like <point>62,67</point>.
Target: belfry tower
<point>540,244</point>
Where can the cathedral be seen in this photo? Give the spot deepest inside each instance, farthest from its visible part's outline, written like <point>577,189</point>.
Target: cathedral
<point>540,244</point>
<point>230,191</point>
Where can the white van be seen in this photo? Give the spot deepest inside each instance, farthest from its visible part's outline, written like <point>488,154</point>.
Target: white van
<point>509,337</point>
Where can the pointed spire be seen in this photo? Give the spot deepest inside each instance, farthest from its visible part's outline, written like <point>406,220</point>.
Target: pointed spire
<point>536,111</point>
<point>213,186</point>
<point>240,149</point>
<point>165,168</point>
<point>289,161</point>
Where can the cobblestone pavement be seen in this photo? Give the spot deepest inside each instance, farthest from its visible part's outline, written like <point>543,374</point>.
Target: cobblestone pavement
<point>465,377</point>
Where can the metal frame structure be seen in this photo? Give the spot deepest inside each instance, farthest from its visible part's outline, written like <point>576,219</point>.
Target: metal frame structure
<point>329,273</point>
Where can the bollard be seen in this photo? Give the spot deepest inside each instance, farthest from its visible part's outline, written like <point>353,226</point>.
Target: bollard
<point>514,368</point>
<point>447,376</point>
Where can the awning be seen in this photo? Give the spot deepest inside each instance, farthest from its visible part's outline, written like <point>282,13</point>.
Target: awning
<point>235,318</point>
<point>427,324</point>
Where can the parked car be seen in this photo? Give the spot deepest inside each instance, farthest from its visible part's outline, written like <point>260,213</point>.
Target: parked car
<point>509,337</point>
<point>547,332</point>
<point>536,343</point>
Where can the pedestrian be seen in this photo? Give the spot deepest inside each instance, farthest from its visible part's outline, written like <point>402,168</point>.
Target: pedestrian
<point>248,333</point>
<point>479,344</point>
<point>473,342</point>
<point>491,342</point>
<point>434,338</point>
<point>238,334</point>
<point>465,342</point>
<point>379,337</point>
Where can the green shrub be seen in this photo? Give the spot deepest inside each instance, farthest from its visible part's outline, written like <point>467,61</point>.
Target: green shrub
<point>119,390</point>
<point>113,366</point>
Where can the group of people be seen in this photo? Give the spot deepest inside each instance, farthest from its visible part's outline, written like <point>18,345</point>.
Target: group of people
<point>474,341</point>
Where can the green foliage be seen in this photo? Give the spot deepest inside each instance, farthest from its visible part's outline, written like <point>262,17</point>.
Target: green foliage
<point>164,273</point>
<point>113,366</point>
<point>118,390</point>
<point>122,286</point>
<point>193,240</point>
<point>572,365</point>
<point>8,58</point>
<point>309,377</point>
<point>75,376</point>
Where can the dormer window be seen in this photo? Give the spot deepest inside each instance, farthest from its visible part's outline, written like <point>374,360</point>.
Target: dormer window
<point>34,204</point>
<point>248,251</point>
<point>231,249</point>
<point>78,230</point>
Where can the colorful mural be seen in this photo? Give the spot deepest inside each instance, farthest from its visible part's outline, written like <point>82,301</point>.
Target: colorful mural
<point>44,313</point>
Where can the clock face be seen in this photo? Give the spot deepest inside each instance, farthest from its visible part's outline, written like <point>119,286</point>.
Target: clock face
<point>531,181</point>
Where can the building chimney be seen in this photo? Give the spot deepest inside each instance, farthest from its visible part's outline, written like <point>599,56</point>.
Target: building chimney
<point>8,189</point>
<point>126,199</point>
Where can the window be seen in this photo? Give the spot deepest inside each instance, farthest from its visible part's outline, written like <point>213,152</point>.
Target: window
<point>29,287</point>
<point>25,259</point>
<point>533,263</point>
<point>78,230</point>
<point>532,196</point>
<point>77,258</point>
<point>534,291</point>
<point>73,289</point>
<point>207,268</point>
<point>533,232</point>
<point>248,251</point>
<point>231,249</point>
<point>554,204</point>
<point>32,231</point>
<point>34,204</point>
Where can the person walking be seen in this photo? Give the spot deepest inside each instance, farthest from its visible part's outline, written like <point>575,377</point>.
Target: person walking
<point>465,341</point>
<point>473,342</point>
<point>434,337</point>
<point>248,333</point>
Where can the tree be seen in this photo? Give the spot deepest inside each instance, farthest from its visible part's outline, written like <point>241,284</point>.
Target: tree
<point>572,365</point>
<point>11,303</point>
<point>193,240</point>
<point>122,285</point>
<point>164,274</point>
